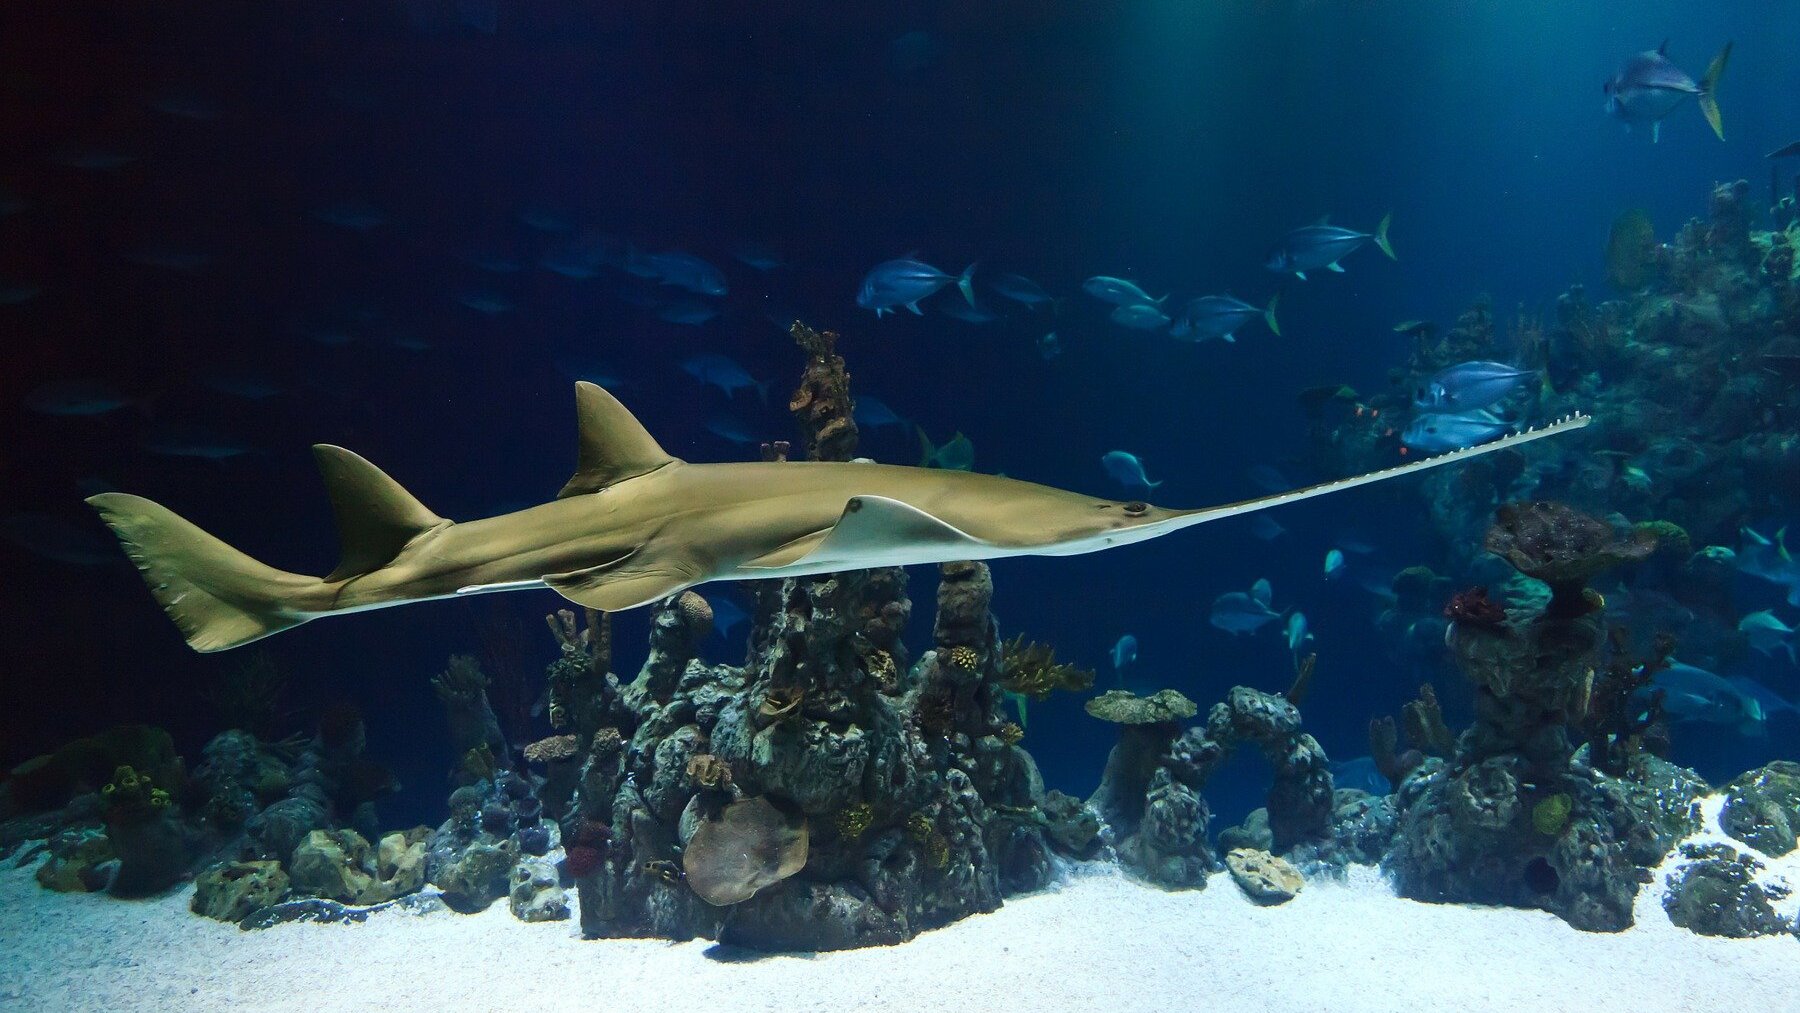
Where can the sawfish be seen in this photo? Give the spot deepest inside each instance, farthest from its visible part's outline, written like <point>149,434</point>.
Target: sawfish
<point>635,525</point>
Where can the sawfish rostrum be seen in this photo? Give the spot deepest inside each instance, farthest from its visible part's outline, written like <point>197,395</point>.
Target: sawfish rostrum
<point>634,525</point>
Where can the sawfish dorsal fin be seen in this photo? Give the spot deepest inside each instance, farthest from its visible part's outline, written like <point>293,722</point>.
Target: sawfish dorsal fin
<point>613,446</point>
<point>376,516</point>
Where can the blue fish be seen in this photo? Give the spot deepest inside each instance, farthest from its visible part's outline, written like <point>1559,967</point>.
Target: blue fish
<point>1361,774</point>
<point>1127,470</point>
<point>1118,292</point>
<point>956,455</point>
<point>1437,432</point>
<point>1696,695</point>
<point>1124,652</point>
<point>726,614</point>
<point>1266,528</point>
<point>1298,636</point>
<point>729,427</point>
<point>1240,612</point>
<point>183,440</point>
<point>759,256</point>
<point>1768,559</point>
<point>1220,317</point>
<point>871,413</point>
<point>1140,317</point>
<point>718,371</point>
<point>1648,88</point>
<point>1020,289</point>
<point>1049,347</point>
<point>76,397</point>
<point>892,284</point>
<point>1467,386</point>
<point>1334,564</point>
<point>1314,246</point>
<point>686,271</point>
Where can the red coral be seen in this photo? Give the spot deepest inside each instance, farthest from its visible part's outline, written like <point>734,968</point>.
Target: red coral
<point>582,860</point>
<point>1474,607</point>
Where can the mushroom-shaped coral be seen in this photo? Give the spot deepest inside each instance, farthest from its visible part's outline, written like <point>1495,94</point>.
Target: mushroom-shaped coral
<point>1126,708</point>
<point>554,749</point>
<point>708,771</point>
<point>752,845</point>
<point>1562,547</point>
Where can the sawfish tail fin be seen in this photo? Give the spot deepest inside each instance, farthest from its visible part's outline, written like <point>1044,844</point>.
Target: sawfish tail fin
<point>217,596</point>
<point>1709,91</point>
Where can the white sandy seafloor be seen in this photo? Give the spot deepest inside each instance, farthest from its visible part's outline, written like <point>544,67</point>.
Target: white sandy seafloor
<point>1098,941</point>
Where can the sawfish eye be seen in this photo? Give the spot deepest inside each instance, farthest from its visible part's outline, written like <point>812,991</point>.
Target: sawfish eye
<point>1137,508</point>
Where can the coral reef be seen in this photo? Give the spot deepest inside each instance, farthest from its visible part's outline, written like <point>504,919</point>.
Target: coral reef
<point>1716,894</point>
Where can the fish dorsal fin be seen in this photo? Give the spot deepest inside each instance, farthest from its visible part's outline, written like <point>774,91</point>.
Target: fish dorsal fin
<point>614,445</point>
<point>376,517</point>
<point>1663,50</point>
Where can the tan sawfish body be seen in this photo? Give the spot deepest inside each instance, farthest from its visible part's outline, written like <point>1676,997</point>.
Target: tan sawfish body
<point>636,525</point>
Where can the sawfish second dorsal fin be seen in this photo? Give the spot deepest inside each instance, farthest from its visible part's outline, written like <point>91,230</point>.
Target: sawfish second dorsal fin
<point>614,445</point>
<point>376,516</point>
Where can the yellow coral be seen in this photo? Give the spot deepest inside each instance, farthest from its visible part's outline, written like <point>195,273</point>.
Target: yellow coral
<point>1010,733</point>
<point>881,668</point>
<point>1549,816</point>
<point>1032,670</point>
<point>854,820</point>
<point>964,657</point>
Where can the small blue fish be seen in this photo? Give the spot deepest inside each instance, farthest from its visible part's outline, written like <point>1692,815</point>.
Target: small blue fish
<point>1334,564</point>
<point>893,284</point>
<point>718,371</point>
<point>729,427</point>
<point>1020,289</point>
<point>1437,432</point>
<point>1126,470</point>
<point>1648,88</point>
<point>956,455</point>
<point>76,397</point>
<point>1765,632</point>
<point>1269,479</point>
<point>1467,386</point>
<point>1769,559</point>
<point>871,413</point>
<point>1298,636</point>
<point>1124,652</point>
<point>1239,612</point>
<point>1220,317</point>
<point>1361,774</point>
<point>969,313</point>
<point>484,301</point>
<point>1118,292</point>
<point>686,271</point>
<point>759,256</point>
<point>1314,246</point>
<point>1049,347</point>
<point>727,613</point>
<point>183,440</point>
<point>1141,317</point>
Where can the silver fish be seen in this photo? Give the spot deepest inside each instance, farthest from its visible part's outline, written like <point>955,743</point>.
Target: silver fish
<point>1648,88</point>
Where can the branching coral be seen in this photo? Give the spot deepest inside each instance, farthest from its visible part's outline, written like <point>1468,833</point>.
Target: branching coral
<point>1032,670</point>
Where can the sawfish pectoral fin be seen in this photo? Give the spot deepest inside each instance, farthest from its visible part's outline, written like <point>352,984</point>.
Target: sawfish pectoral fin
<point>874,531</point>
<point>624,583</point>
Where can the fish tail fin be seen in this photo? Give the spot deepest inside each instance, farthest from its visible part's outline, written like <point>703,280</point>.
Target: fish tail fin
<point>965,283</point>
<point>218,597</point>
<point>1709,91</point>
<point>1381,235</point>
<point>1269,314</point>
<point>926,450</point>
<point>1151,485</point>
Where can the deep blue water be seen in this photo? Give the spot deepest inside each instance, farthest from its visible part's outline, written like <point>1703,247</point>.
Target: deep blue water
<point>1167,142</point>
